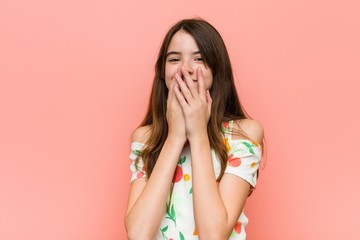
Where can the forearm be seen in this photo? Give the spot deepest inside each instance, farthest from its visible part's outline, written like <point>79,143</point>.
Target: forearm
<point>146,213</point>
<point>209,210</point>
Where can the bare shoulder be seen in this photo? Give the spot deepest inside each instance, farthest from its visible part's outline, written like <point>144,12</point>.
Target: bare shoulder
<point>141,134</point>
<point>252,128</point>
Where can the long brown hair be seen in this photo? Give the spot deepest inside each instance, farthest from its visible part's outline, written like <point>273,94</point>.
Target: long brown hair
<point>225,102</point>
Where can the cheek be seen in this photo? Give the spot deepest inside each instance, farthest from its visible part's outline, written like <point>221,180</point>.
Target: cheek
<point>208,79</point>
<point>169,73</point>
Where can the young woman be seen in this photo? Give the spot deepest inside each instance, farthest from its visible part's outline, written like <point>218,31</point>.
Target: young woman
<point>196,155</point>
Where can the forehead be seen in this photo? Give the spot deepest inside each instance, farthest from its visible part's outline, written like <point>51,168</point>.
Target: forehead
<point>182,42</point>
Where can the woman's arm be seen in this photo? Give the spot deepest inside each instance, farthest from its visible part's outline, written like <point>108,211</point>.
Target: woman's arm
<point>147,198</point>
<point>217,208</point>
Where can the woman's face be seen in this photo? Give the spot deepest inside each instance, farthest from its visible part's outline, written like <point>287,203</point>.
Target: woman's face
<point>183,51</point>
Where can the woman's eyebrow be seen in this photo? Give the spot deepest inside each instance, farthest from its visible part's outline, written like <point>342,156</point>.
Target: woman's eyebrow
<point>179,53</point>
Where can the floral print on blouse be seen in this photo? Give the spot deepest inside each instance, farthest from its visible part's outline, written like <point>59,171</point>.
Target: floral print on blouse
<point>178,222</point>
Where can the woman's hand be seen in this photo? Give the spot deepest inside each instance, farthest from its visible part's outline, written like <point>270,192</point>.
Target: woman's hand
<point>174,114</point>
<point>195,102</point>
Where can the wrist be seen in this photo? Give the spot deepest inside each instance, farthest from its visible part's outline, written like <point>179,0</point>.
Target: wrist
<point>200,138</point>
<point>176,140</point>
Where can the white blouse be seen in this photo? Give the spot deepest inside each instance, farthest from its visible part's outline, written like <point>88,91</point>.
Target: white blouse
<point>178,223</point>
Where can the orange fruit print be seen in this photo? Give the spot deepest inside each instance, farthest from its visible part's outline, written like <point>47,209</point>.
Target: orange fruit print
<point>186,177</point>
<point>237,227</point>
<point>178,174</point>
<point>234,162</point>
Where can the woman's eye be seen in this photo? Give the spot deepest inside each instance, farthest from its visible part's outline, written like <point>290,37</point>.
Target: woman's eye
<point>199,59</point>
<point>173,59</point>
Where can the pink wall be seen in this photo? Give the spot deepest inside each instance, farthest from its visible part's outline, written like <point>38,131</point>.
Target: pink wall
<point>75,78</point>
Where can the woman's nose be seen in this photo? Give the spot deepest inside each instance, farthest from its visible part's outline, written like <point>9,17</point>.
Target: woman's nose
<point>189,67</point>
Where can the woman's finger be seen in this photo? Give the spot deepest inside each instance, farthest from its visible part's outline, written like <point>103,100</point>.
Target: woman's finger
<point>184,88</point>
<point>189,82</point>
<point>201,83</point>
<point>208,100</point>
<point>180,98</point>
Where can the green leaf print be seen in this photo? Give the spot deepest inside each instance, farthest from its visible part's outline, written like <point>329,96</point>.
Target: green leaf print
<point>249,146</point>
<point>190,192</point>
<point>163,230</point>
<point>137,152</point>
<point>181,236</point>
<point>233,233</point>
<point>182,160</point>
<point>172,214</point>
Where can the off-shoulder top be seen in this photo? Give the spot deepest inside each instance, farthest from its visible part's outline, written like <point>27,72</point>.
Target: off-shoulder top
<point>178,222</point>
